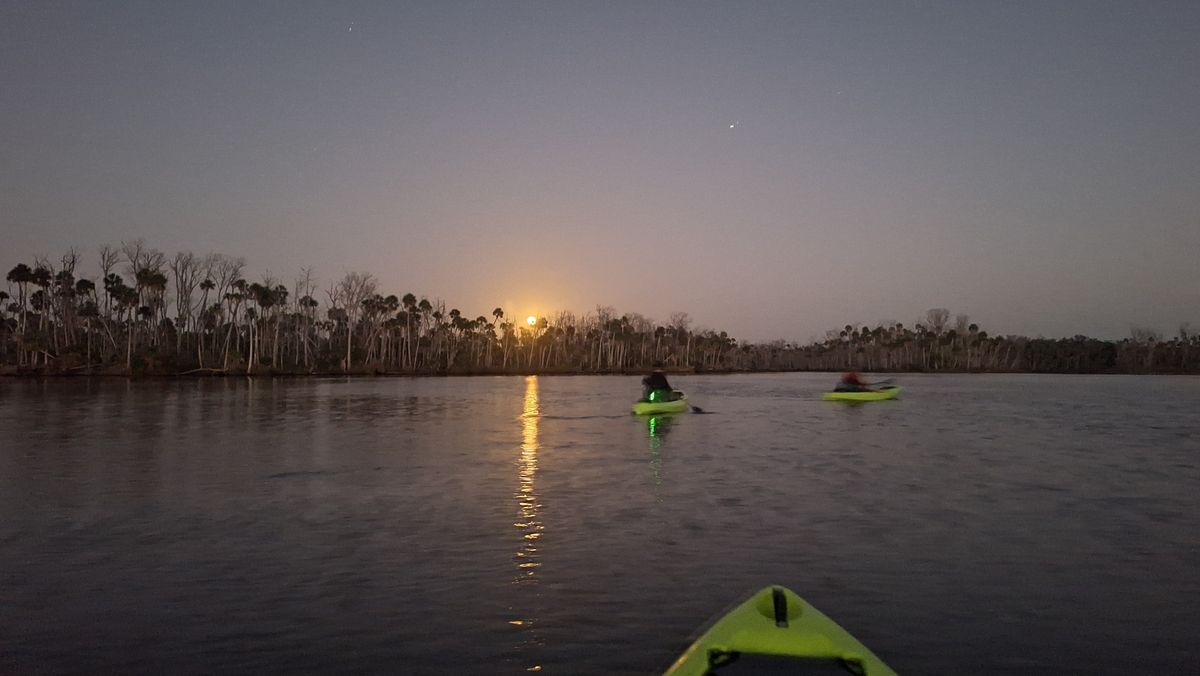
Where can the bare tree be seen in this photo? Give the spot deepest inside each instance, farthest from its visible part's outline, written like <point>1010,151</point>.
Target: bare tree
<point>680,321</point>
<point>351,291</point>
<point>306,306</point>
<point>140,257</point>
<point>186,271</point>
<point>962,323</point>
<point>1144,335</point>
<point>936,319</point>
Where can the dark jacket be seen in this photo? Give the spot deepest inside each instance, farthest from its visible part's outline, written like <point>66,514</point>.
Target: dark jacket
<point>656,381</point>
<point>850,382</point>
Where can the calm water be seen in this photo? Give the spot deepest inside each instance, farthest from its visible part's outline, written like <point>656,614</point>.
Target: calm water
<point>979,524</point>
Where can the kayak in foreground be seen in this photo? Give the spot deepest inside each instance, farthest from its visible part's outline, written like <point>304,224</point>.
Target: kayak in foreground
<point>882,393</point>
<point>644,407</point>
<point>775,630</point>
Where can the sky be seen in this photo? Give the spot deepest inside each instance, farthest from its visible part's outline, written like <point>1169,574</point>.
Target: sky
<point>774,169</point>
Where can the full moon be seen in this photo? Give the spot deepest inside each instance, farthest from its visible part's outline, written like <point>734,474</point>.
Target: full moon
<point>531,320</point>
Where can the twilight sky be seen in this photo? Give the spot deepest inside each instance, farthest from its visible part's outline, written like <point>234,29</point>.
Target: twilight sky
<point>772,168</point>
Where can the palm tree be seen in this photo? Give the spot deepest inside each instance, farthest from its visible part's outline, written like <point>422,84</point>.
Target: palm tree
<point>205,287</point>
<point>233,299</point>
<point>425,309</point>
<point>22,276</point>
<point>308,310</point>
<point>497,315</point>
<point>42,278</point>
<point>410,310</point>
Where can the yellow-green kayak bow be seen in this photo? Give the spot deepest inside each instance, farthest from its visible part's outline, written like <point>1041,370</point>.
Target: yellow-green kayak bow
<point>778,626</point>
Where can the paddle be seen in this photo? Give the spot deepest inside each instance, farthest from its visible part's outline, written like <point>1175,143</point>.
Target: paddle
<point>695,409</point>
<point>881,382</point>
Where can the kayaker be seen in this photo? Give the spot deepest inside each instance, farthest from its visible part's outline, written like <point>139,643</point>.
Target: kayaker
<point>655,386</point>
<point>851,382</point>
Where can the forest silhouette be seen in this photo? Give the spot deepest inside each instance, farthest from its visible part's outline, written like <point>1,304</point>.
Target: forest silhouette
<point>150,314</point>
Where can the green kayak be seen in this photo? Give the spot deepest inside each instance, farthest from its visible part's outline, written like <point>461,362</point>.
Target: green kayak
<point>644,407</point>
<point>773,630</point>
<point>882,393</point>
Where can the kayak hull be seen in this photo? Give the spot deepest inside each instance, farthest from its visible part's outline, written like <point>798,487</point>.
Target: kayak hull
<point>873,395</point>
<point>776,623</point>
<point>655,407</point>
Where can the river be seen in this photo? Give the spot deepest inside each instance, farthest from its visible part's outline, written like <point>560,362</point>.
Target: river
<point>999,524</point>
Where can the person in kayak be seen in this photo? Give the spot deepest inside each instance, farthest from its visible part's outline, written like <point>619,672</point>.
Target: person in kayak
<point>851,382</point>
<point>655,386</point>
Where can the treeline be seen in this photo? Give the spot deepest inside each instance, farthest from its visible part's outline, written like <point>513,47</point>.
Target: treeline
<point>934,344</point>
<point>147,313</point>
